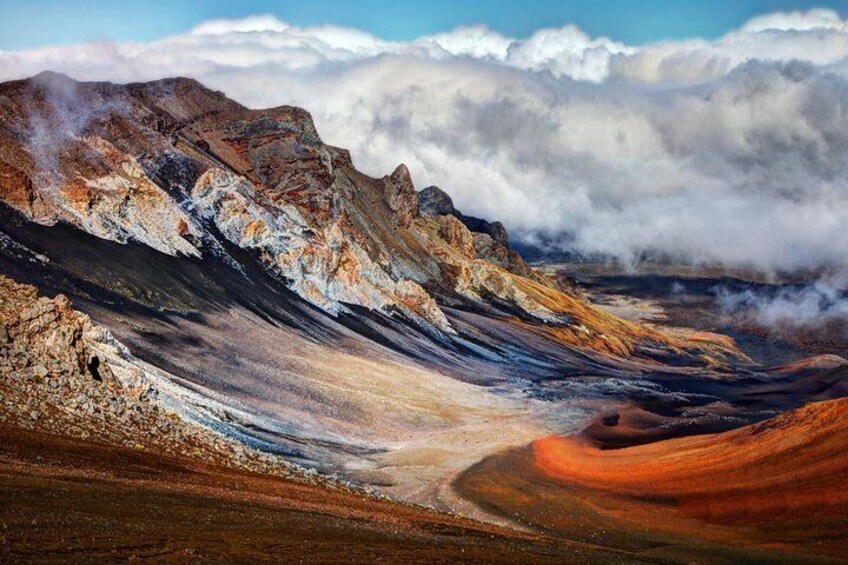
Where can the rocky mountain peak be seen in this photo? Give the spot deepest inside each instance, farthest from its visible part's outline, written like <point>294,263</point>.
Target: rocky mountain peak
<point>490,239</point>
<point>402,198</point>
<point>433,200</point>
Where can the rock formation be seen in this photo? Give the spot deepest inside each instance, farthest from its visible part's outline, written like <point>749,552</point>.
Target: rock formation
<point>64,374</point>
<point>490,240</point>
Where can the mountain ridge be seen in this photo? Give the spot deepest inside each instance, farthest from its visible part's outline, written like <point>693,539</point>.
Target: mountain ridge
<point>161,162</point>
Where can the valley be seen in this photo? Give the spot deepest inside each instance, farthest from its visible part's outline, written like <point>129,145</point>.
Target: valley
<point>199,294</point>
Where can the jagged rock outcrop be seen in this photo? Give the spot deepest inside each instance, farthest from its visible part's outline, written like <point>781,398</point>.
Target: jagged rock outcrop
<point>324,267</point>
<point>455,234</point>
<point>264,178</point>
<point>48,331</point>
<point>472,277</point>
<point>152,162</point>
<point>435,201</point>
<point>490,240</point>
<point>114,199</point>
<point>403,200</point>
<point>64,374</point>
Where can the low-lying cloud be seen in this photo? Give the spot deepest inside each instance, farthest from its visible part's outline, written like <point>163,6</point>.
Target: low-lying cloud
<point>819,304</point>
<point>730,151</point>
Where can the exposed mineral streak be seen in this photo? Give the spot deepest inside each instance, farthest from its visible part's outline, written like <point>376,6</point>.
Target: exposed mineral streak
<point>325,267</point>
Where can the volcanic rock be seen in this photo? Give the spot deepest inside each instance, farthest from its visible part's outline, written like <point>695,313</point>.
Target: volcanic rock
<point>490,240</point>
<point>403,200</point>
<point>154,162</point>
<point>64,374</point>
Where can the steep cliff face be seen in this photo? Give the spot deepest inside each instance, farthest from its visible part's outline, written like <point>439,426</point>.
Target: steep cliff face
<point>179,168</point>
<point>490,240</point>
<point>324,267</point>
<point>64,374</point>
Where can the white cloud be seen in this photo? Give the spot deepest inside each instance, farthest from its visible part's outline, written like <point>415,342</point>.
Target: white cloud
<point>821,303</point>
<point>264,22</point>
<point>566,52</point>
<point>727,151</point>
<point>470,41</point>
<point>795,21</point>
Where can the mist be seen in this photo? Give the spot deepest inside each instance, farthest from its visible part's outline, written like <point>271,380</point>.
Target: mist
<point>808,307</point>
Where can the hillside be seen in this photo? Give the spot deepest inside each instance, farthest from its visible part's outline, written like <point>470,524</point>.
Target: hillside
<point>193,291</point>
<point>185,171</point>
<point>777,484</point>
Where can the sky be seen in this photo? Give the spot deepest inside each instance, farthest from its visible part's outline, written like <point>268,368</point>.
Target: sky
<point>705,132</point>
<point>37,23</point>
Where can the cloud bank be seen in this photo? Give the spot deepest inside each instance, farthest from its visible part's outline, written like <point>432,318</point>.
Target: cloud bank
<point>731,151</point>
<point>812,306</point>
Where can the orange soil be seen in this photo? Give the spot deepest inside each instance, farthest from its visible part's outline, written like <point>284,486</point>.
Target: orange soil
<point>774,492</point>
<point>606,332</point>
<point>795,465</point>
